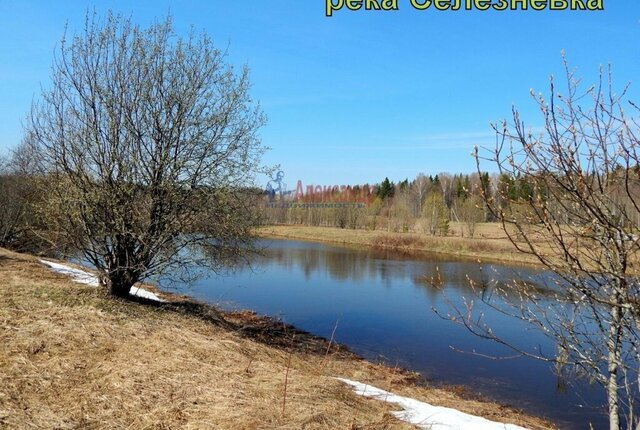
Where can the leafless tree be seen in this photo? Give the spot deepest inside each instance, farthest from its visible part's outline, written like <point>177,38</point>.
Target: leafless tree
<point>17,199</point>
<point>400,216</point>
<point>579,220</point>
<point>436,214</point>
<point>12,206</point>
<point>419,189</point>
<point>471,212</point>
<point>147,146</point>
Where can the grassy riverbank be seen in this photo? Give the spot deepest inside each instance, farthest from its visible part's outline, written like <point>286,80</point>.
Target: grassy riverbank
<point>74,357</point>
<point>489,244</point>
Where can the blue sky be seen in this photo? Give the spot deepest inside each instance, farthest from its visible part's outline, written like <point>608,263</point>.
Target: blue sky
<point>362,95</point>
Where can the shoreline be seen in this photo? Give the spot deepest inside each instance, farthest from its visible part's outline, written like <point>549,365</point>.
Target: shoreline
<point>485,250</point>
<point>270,349</point>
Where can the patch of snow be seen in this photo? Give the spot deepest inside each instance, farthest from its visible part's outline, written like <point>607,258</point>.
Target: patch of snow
<point>141,292</point>
<point>426,416</point>
<point>77,275</point>
<point>87,278</point>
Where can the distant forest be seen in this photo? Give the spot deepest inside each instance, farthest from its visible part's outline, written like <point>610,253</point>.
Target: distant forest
<point>425,204</point>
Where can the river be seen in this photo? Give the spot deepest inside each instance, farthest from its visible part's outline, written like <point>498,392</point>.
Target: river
<point>384,305</point>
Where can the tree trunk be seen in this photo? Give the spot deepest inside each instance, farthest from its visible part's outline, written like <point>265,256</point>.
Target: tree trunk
<point>119,282</point>
<point>120,289</point>
<point>613,345</point>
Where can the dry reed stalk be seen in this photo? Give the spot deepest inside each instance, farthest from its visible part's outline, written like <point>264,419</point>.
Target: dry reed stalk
<point>393,374</point>
<point>331,340</point>
<point>286,375</point>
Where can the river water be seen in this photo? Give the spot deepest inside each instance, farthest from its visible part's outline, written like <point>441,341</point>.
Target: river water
<point>389,307</point>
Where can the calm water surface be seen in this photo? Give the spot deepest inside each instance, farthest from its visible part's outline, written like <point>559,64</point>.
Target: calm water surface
<point>384,304</point>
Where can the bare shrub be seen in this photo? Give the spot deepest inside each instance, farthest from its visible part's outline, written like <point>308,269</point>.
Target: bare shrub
<point>148,145</point>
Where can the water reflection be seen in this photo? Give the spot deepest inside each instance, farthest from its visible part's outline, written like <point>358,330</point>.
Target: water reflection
<point>429,270</point>
<point>385,301</point>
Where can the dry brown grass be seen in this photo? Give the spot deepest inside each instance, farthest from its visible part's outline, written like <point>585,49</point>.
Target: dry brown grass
<point>73,357</point>
<point>490,243</point>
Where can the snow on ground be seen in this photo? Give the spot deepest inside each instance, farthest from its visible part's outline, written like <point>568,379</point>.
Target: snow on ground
<point>83,277</point>
<point>426,416</point>
<point>141,292</point>
<point>77,275</point>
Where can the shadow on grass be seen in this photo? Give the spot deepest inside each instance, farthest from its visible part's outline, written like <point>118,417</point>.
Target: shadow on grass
<point>248,324</point>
